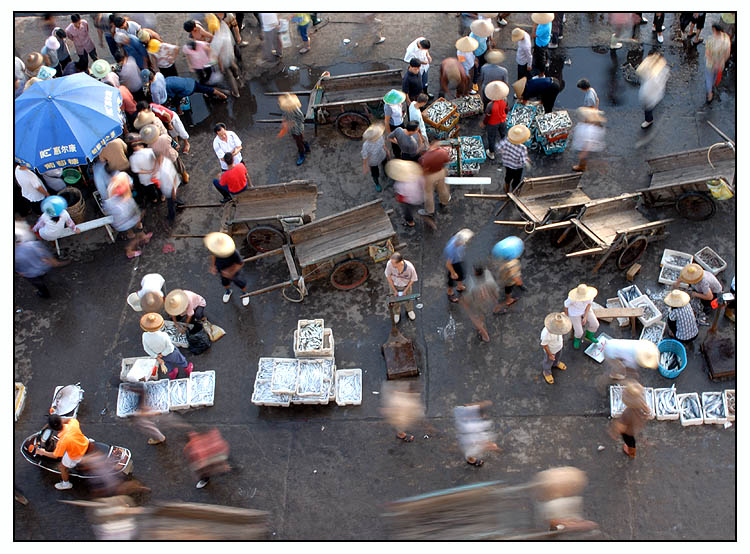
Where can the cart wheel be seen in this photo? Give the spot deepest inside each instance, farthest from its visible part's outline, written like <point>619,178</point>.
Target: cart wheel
<point>352,125</point>
<point>632,252</point>
<point>292,293</point>
<point>265,238</point>
<point>349,274</point>
<point>695,206</point>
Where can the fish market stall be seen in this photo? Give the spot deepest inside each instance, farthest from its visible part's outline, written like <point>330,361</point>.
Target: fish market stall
<point>526,114</point>
<point>469,105</point>
<point>552,131</point>
<point>441,119</point>
<point>467,153</point>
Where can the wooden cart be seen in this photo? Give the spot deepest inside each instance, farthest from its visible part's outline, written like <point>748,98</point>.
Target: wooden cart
<point>681,179</point>
<point>614,225</point>
<point>352,102</point>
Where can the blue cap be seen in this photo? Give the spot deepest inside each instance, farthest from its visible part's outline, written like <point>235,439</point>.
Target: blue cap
<point>145,76</point>
<point>54,205</point>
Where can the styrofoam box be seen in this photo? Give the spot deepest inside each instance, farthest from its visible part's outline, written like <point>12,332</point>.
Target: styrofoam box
<point>683,420</point>
<point>615,411</point>
<point>202,388</point>
<point>714,270</point>
<point>325,352</point>
<point>277,387</point>
<point>667,281</point>
<point>730,416</point>
<point>666,416</point>
<point>625,303</point>
<point>322,399</point>
<point>648,394</point>
<point>713,420</point>
<point>127,364</point>
<point>341,375</point>
<point>617,303</point>
<point>157,396</point>
<point>127,402</point>
<point>265,369</point>
<point>646,301</point>
<point>662,325</point>
<point>262,395</point>
<point>179,394</point>
<point>668,252</point>
<point>302,322</point>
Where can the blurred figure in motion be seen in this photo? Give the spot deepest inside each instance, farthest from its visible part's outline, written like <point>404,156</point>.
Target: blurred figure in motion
<point>207,454</point>
<point>482,294</point>
<point>653,73</point>
<point>718,49</point>
<point>33,261</point>
<point>625,356</point>
<point>107,480</point>
<point>588,136</point>
<point>402,407</point>
<point>121,206</point>
<point>560,501</point>
<point>630,423</point>
<point>143,418</point>
<point>475,437</point>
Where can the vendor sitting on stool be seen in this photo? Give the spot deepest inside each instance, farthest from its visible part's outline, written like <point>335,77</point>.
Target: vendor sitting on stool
<point>184,304</point>
<point>681,318</point>
<point>705,284</point>
<point>578,309</point>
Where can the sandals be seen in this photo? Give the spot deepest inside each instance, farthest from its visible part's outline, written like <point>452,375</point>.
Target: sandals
<point>453,298</point>
<point>476,463</point>
<point>406,438</point>
<point>561,366</point>
<point>548,377</point>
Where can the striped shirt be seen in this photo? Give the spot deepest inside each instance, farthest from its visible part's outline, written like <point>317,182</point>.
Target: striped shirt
<point>513,156</point>
<point>684,319</point>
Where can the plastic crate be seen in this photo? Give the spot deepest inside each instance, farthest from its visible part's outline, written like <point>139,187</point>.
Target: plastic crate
<point>654,332</point>
<point>642,302</point>
<point>622,291</point>
<point>671,345</point>
<point>469,105</point>
<point>179,394</point>
<point>714,420</point>
<point>555,148</point>
<point>672,253</point>
<point>666,274</point>
<point>262,395</point>
<point>648,394</point>
<point>666,415</point>
<point>437,124</point>
<point>541,118</point>
<point>730,398</point>
<point>617,303</point>
<point>616,406</point>
<point>706,250</point>
<point>341,376</point>
<point>690,421</point>
<point>277,384</point>
<point>202,388</point>
<point>325,352</point>
<point>464,160</point>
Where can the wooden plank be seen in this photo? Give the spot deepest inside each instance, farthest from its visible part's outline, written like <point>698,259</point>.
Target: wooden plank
<point>533,186</point>
<point>618,312</point>
<point>351,102</point>
<point>265,254</point>
<point>353,214</point>
<point>291,266</point>
<point>695,157</point>
<point>514,223</point>
<point>297,92</point>
<point>486,196</point>
<point>517,201</point>
<point>693,174</point>
<point>190,510</point>
<point>329,78</point>
<point>586,252</point>
<point>646,226</point>
<point>588,232</point>
<point>340,241</point>
<point>87,226</point>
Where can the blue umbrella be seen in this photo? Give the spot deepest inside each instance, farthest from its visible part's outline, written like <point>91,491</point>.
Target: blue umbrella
<point>65,121</point>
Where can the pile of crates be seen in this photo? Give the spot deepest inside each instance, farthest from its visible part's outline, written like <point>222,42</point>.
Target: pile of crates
<point>469,163</point>
<point>526,114</point>
<point>552,131</point>
<point>445,125</point>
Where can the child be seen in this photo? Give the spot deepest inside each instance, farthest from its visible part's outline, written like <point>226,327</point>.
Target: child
<point>303,23</point>
<point>556,325</point>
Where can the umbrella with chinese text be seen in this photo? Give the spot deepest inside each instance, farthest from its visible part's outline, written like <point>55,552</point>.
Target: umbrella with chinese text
<point>65,121</point>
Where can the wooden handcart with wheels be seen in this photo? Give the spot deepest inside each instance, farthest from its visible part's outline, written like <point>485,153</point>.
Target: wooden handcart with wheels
<point>614,225</point>
<point>681,179</point>
<point>351,102</point>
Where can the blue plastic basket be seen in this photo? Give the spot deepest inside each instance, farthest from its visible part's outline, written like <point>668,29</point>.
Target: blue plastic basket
<point>670,345</point>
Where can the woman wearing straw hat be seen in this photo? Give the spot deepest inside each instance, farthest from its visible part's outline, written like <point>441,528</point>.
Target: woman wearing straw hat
<point>524,58</point>
<point>705,284</point>
<point>157,344</point>
<point>492,71</point>
<point>408,185</point>
<point>541,35</point>
<point>681,317</point>
<point>481,31</point>
<point>556,325</point>
<point>185,304</point>
<point>630,423</point>
<point>33,62</point>
<point>465,47</point>
<point>374,152</point>
<point>514,155</point>
<point>394,114</point>
<point>625,356</point>
<point>294,123</point>
<point>227,263</point>
<point>578,309</point>
<point>588,136</point>
<point>495,115</point>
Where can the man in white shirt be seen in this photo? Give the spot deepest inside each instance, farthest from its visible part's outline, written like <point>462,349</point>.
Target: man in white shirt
<point>32,187</point>
<point>271,42</point>
<point>142,162</point>
<point>157,345</point>
<point>420,49</point>
<point>226,141</point>
<point>556,325</point>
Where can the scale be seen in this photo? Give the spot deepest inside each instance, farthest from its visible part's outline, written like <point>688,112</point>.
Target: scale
<point>718,349</point>
<point>398,350</point>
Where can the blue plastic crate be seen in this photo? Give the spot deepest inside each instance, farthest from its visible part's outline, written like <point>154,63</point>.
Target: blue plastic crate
<point>479,160</point>
<point>670,345</point>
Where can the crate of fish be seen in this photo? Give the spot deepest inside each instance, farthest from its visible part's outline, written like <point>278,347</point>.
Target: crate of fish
<point>263,396</point>
<point>284,377</point>
<point>654,333</point>
<point>714,408</point>
<point>617,303</point>
<point>648,395</point>
<point>472,151</point>
<point>665,401</point>
<point>629,293</point>
<point>202,388</point>
<point>127,401</point>
<point>309,346</point>
<point>525,114</point>
<point>179,394</point>
<point>467,106</point>
<point>553,147</point>
<point>312,381</point>
<point>553,123</point>
<point>730,399</point>
<point>156,396</point>
<point>176,334</point>
<point>710,260</point>
<point>466,170</point>
<point>450,125</point>
<point>651,313</point>
<point>669,275</point>
<point>438,113</point>
<point>672,358</point>
<point>323,398</point>
<point>616,405</point>
<point>675,258</point>
<point>265,369</point>
<point>435,134</point>
<point>349,387</point>
<point>690,409</point>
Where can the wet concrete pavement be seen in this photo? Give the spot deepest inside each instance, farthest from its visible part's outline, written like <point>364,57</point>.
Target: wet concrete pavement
<point>324,472</point>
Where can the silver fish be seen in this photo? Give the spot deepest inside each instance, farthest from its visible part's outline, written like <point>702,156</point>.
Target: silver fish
<point>679,261</point>
<point>669,273</point>
<point>710,258</point>
<point>690,407</point>
<point>553,122</point>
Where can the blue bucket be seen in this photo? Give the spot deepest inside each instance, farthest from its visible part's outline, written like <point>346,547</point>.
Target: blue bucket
<point>670,345</point>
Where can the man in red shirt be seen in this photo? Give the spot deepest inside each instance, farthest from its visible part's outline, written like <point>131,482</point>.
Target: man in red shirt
<point>232,181</point>
<point>433,163</point>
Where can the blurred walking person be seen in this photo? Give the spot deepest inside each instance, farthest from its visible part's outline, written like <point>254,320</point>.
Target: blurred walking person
<point>408,186</point>
<point>653,72</point>
<point>433,164</point>
<point>588,136</point>
<point>718,49</point>
<point>207,455</point>
<point>632,420</point>
<point>474,430</point>
<point>401,408</point>
<point>127,217</point>
<point>481,296</point>
<point>454,254</point>
<point>33,261</point>
<point>625,356</point>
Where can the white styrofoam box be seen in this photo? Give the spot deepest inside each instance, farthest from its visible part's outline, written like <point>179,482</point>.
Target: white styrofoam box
<point>708,419</point>
<point>349,387</point>
<point>265,369</point>
<point>202,388</point>
<point>707,250</point>
<point>666,415</point>
<point>691,421</point>
<point>179,394</point>
<point>643,301</point>
<point>326,350</point>
<point>621,296</point>
<point>285,375</point>
<point>311,377</point>
<point>617,303</point>
<point>321,399</point>
<point>127,402</point>
<point>648,394</point>
<point>596,349</point>
<point>332,390</point>
<point>262,395</point>
<point>665,279</point>
<point>616,406</point>
<point>19,400</point>
<point>127,364</point>
<point>157,396</point>
<point>302,322</point>
<point>142,369</point>
<point>733,394</point>
<point>673,262</point>
<point>655,331</point>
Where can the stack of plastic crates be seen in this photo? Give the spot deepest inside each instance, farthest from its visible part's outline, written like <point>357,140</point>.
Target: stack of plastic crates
<point>441,120</point>
<point>471,157</point>
<point>552,131</point>
<point>525,114</point>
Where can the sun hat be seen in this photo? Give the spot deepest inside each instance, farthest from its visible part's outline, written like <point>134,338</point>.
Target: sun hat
<point>176,302</point>
<point>119,184</point>
<point>519,86</point>
<point>496,90</point>
<point>591,115</point>
<point>510,248</point>
<point>152,302</point>
<point>651,66</point>
<point>374,131</point>
<point>557,323</point>
<point>289,102</point>
<point>647,354</point>
<point>145,76</point>
<point>152,322</point>
<point>482,28</point>
<point>394,96</point>
<point>219,244</point>
<point>403,170</point>
<point>632,396</point>
<point>518,134</point>
<point>144,118</point>
<point>33,61</point>
<point>691,274</point>
<point>465,235</point>
<point>677,299</point>
<point>46,72</point>
<point>52,43</point>
<point>467,44</point>
<point>728,17</point>
<point>542,18</point>
<point>149,134</point>
<point>54,205</point>
<point>144,36</point>
<point>517,34</point>
<point>494,56</point>
<point>582,293</point>
<point>100,69</point>
<point>153,46</point>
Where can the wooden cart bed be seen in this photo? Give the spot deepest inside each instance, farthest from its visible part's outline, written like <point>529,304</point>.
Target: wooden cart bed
<point>604,219</point>
<point>294,199</point>
<point>692,167</point>
<point>357,87</point>
<point>538,197</point>
<point>336,234</point>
